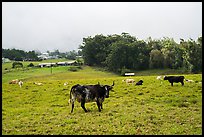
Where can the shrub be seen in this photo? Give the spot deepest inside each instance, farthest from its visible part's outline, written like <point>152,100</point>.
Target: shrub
<point>17,65</point>
<point>31,65</point>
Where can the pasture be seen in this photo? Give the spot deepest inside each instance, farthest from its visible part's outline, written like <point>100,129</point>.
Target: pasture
<point>154,108</point>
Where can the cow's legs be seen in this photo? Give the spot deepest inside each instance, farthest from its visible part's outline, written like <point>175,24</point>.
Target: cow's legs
<point>72,107</point>
<point>182,83</point>
<point>171,83</point>
<point>83,105</point>
<point>99,105</point>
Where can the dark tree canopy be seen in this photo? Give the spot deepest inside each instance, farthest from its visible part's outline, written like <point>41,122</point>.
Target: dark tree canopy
<point>19,55</point>
<point>119,52</point>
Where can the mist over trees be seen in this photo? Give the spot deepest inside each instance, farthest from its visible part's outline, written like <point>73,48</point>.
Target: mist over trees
<point>125,52</point>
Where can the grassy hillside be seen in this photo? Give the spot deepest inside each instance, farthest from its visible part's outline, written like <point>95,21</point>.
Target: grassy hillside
<point>152,108</point>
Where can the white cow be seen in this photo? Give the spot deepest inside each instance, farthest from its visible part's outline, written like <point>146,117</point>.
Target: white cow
<point>66,83</point>
<point>189,81</point>
<point>129,80</point>
<point>37,83</point>
<point>20,83</point>
<point>160,78</point>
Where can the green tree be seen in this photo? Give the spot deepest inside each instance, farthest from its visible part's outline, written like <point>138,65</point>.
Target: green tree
<point>124,52</point>
<point>19,55</point>
<point>17,64</point>
<point>156,59</point>
<point>118,58</point>
<point>154,44</point>
<point>195,55</point>
<point>96,49</point>
<point>172,53</point>
<point>71,55</point>
<point>31,55</point>
<point>187,66</point>
<point>192,54</point>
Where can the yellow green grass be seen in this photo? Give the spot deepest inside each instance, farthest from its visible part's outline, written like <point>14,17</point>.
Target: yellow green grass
<point>154,108</point>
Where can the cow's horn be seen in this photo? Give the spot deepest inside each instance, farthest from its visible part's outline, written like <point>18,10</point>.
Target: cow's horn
<point>113,84</point>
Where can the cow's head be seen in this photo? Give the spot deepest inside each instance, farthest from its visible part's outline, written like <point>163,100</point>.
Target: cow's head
<point>107,89</point>
<point>141,81</point>
<point>165,77</point>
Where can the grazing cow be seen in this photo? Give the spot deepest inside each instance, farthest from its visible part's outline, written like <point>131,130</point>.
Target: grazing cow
<point>173,79</point>
<point>37,83</point>
<point>129,80</point>
<point>66,83</point>
<point>159,77</point>
<point>89,93</point>
<point>14,81</point>
<point>189,81</point>
<point>20,83</point>
<point>139,82</point>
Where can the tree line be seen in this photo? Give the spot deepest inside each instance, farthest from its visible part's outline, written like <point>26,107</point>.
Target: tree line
<point>21,55</point>
<point>120,53</point>
<point>123,53</point>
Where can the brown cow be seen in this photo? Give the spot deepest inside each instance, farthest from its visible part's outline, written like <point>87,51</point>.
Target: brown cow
<point>14,81</point>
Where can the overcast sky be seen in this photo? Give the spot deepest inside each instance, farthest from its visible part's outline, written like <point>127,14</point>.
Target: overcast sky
<point>51,25</point>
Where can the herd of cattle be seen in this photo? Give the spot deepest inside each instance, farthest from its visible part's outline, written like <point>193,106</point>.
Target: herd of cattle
<point>171,79</point>
<point>97,93</point>
<point>20,82</point>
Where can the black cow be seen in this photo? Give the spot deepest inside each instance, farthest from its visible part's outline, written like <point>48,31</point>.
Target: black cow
<point>173,79</point>
<point>89,93</point>
<point>139,82</point>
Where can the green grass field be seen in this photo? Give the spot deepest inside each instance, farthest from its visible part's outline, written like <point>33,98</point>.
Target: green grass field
<point>153,108</point>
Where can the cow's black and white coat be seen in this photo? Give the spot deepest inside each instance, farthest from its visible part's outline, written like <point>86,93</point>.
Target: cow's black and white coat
<point>176,79</point>
<point>89,93</point>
